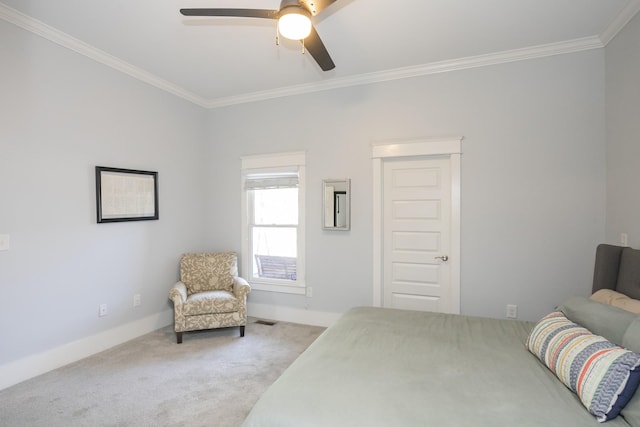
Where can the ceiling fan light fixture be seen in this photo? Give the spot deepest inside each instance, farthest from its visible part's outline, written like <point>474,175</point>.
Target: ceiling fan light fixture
<point>294,23</point>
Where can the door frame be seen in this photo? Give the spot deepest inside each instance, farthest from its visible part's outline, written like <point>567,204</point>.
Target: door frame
<point>386,150</point>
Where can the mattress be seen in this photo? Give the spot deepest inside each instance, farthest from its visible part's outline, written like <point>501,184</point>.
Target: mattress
<point>385,367</point>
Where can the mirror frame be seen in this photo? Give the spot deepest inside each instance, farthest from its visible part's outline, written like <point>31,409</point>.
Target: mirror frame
<point>345,186</point>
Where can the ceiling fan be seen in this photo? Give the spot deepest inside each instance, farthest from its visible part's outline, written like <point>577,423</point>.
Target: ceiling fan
<point>294,22</point>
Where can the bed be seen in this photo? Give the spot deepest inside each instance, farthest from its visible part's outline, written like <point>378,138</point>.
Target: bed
<point>386,367</point>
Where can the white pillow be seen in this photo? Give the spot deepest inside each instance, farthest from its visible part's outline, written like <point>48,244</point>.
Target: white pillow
<point>617,299</point>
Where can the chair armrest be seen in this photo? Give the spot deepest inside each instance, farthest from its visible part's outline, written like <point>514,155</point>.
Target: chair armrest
<point>178,293</point>
<point>240,287</point>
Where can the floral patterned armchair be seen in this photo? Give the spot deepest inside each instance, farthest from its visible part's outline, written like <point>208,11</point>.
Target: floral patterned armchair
<point>209,294</point>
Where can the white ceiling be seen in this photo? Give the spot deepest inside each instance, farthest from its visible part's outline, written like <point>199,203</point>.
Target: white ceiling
<point>221,61</point>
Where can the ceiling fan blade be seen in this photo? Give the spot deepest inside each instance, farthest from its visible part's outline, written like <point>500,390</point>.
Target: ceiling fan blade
<point>316,6</point>
<point>240,13</point>
<point>316,48</point>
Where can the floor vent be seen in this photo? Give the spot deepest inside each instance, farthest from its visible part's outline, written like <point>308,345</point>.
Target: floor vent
<point>265,322</point>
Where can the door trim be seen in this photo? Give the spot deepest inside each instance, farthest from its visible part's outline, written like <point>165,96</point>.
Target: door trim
<point>451,147</point>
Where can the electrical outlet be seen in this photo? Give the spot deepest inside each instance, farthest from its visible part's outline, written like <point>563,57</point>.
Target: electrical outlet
<point>624,239</point>
<point>102,310</point>
<point>137,300</point>
<point>309,292</point>
<point>4,242</point>
<point>512,311</point>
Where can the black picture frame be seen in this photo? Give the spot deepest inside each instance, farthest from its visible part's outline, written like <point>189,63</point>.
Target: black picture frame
<point>126,195</point>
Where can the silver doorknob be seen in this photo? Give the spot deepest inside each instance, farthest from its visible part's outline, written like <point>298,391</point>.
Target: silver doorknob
<point>443,257</point>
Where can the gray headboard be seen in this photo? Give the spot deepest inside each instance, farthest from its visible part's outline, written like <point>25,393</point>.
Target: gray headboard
<point>617,268</point>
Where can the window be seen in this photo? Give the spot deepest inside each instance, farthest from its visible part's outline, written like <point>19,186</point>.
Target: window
<point>273,222</point>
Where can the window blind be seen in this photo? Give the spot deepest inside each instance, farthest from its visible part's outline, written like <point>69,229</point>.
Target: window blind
<point>270,180</point>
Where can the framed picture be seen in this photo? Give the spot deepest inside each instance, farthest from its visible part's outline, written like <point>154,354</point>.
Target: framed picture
<point>126,195</point>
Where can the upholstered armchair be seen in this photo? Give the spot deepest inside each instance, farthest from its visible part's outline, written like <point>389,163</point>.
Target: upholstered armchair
<point>209,294</point>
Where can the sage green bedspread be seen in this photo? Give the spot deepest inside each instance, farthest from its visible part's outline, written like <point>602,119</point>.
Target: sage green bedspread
<point>384,367</point>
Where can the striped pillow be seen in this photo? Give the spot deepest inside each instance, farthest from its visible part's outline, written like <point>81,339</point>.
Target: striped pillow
<point>603,375</point>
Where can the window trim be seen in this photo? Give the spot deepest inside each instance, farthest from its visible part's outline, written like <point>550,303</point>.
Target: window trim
<point>273,162</point>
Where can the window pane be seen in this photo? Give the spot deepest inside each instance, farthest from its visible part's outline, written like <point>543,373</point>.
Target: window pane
<point>274,251</point>
<point>276,206</point>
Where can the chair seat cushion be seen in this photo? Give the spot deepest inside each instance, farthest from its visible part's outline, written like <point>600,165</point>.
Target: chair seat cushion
<point>210,302</point>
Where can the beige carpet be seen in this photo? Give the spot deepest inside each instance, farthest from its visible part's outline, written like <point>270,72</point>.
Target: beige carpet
<point>212,379</point>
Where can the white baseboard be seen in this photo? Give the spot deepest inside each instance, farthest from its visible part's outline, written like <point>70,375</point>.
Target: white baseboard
<point>28,367</point>
<point>293,315</point>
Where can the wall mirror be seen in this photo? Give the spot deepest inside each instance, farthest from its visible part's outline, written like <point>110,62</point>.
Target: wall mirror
<point>337,204</point>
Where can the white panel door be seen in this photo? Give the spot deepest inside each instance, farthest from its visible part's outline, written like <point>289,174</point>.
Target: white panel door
<point>416,234</point>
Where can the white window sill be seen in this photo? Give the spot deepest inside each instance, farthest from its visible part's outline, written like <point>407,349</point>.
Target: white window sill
<point>298,288</point>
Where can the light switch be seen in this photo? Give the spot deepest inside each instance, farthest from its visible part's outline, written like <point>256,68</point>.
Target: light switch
<point>4,242</point>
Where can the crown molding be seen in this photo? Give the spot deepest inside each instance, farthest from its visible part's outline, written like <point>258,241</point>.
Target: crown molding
<point>63,39</point>
<point>514,55</point>
<point>623,18</point>
<point>586,43</point>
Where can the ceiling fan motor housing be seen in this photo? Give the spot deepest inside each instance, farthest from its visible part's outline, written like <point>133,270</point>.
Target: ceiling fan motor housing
<point>287,3</point>
<point>295,5</point>
<point>295,8</point>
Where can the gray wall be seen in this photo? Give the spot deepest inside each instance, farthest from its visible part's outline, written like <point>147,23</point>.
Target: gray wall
<point>533,176</point>
<point>62,114</point>
<point>623,134</point>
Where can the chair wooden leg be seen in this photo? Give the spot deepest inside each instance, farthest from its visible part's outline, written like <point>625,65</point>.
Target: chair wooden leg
<point>241,331</point>
<point>179,337</point>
